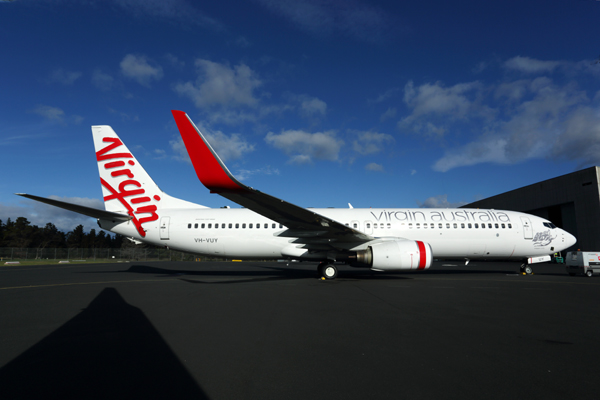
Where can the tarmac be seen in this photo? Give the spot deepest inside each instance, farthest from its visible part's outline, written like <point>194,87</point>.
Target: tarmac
<point>256,330</point>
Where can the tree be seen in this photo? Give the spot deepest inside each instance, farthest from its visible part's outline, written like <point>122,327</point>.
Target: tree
<point>75,238</point>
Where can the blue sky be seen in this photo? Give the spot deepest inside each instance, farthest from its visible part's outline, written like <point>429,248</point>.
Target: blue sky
<point>319,102</point>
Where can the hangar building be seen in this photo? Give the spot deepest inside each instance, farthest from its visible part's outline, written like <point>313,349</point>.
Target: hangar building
<point>571,202</point>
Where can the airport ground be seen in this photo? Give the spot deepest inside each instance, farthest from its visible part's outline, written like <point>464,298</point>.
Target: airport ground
<point>271,331</point>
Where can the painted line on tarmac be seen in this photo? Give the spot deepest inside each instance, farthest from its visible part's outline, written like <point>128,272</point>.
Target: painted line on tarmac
<point>85,283</point>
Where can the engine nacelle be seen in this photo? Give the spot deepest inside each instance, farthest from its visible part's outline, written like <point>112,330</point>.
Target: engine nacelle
<point>395,255</point>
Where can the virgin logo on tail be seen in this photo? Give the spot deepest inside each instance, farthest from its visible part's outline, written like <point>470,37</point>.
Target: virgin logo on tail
<point>123,194</point>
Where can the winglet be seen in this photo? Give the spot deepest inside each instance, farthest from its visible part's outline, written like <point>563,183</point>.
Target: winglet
<point>211,171</point>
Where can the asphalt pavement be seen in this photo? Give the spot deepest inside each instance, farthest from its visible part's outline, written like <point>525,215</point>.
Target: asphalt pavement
<point>257,330</point>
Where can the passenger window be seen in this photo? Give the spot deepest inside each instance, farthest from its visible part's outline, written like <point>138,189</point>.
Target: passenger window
<point>482,226</point>
<point>237,226</point>
<point>424,226</point>
<point>196,226</point>
<point>502,226</point>
<point>202,226</point>
<point>490,226</point>
<point>354,226</point>
<point>469,225</point>
<point>448,226</point>
<point>266,226</point>
<point>280,226</point>
<point>496,225</point>
<point>432,225</point>
<point>368,226</point>
<point>209,226</point>
<point>230,226</point>
<point>509,226</point>
<point>243,226</point>
<point>462,225</point>
<point>455,225</point>
<point>216,226</point>
<point>273,226</point>
<point>440,226</point>
<point>250,226</point>
<point>410,225</point>
<point>476,226</point>
<point>389,225</point>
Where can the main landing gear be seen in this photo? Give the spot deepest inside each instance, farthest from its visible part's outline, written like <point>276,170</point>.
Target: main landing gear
<point>526,269</point>
<point>327,270</point>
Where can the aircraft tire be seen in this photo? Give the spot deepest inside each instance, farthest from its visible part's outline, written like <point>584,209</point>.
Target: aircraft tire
<point>329,271</point>
<point>528,270</point>
<point>320,269</point>
<point>589,273</point>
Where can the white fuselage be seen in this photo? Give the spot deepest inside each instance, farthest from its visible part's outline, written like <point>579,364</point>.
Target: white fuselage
<point>452,233</point>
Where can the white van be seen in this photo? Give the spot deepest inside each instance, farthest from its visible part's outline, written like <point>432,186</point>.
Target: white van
<point>583,262</point>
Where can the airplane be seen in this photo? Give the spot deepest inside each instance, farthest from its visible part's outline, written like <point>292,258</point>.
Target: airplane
<point>266,227</point>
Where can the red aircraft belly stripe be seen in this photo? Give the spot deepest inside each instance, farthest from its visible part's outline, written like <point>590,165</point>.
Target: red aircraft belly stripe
<point>422,255</point>
<point>207,166</point>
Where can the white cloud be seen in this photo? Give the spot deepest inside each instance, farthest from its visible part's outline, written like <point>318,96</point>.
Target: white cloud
<point>374,167</point>
<point>64,77</point>
<point>228,147</point>
<point>221,84</point>
<point>388,114</point>
<point>350,17</point>
<point>102,81</point>
<point>436,99</point>
<point>530,65</point>
<point>50,113</point>
<point>368,142</point>
<point>439,201</point>
<point>138,68</point>
<point>55,114</point>
<point>304,147</point>
<point>244,174</point>
<point>543,120</point>
<point>312,106</point>
<point>385,96</point>
<point>174,61</point>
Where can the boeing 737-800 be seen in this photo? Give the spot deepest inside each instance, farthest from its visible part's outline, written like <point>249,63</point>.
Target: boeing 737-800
<point>270,228</point>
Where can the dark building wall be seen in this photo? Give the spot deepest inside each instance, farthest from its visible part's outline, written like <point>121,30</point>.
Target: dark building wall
<point>571,202</point>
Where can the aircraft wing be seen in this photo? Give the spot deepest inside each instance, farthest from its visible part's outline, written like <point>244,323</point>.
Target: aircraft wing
<point>301,222</point>
<point>89,211</point>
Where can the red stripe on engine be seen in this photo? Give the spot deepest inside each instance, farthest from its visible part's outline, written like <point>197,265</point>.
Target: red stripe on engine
<point>422,255</point>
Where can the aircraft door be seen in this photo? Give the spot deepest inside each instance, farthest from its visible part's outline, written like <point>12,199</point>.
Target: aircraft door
<point>527,229</point>
<point>164,228</point>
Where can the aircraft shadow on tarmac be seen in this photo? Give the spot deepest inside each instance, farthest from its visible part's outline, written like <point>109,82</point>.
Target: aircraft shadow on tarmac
<point>265,273</point>
<point>109,350</point>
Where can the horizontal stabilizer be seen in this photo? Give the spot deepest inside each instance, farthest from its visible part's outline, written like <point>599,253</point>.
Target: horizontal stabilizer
<point>89,211</point>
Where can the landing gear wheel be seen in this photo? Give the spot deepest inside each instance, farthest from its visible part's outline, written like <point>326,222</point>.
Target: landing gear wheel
<point>320,269</point>
<point>589,273</point>
<point>526,269</point>
<point>329,271</point>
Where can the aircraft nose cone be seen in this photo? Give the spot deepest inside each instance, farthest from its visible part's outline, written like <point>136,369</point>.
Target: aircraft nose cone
<point>570,240</point>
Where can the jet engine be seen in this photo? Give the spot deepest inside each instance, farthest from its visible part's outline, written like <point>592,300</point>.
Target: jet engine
<point>394,255</point>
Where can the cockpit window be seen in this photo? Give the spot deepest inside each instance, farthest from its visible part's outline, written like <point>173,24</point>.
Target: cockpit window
<point>549,225</point>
